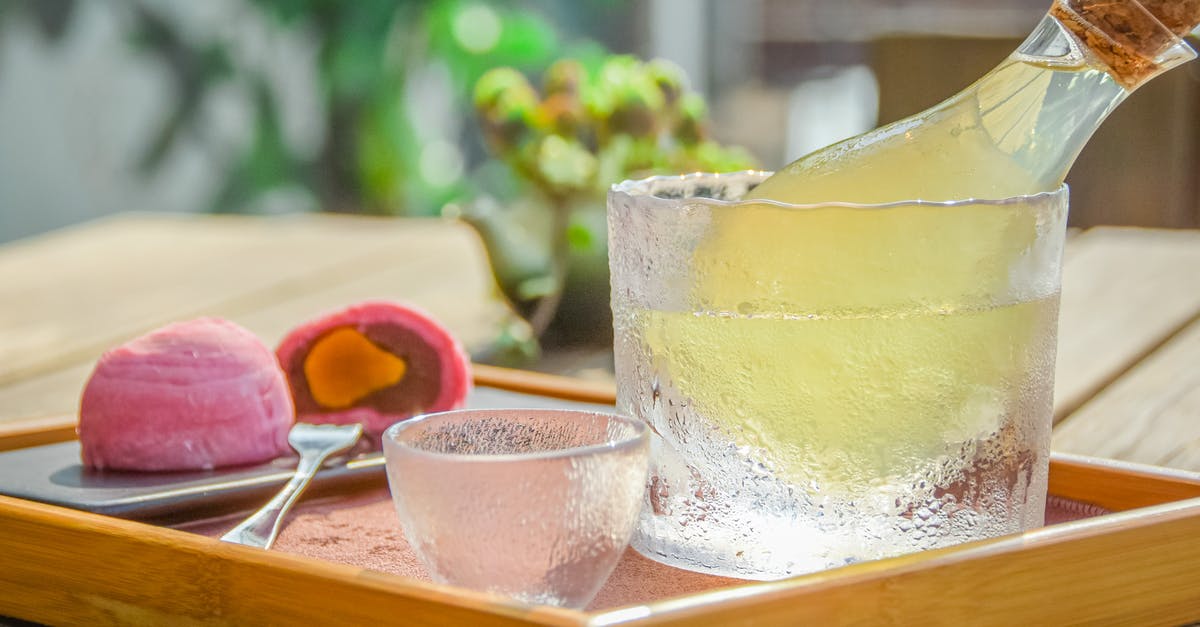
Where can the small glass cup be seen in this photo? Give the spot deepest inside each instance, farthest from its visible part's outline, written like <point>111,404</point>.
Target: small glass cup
<point>536,504</point>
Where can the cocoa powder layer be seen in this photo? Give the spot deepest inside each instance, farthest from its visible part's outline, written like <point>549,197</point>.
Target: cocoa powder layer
<point>363,530</point>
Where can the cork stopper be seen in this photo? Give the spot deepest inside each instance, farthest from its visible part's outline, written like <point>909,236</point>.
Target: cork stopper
<point>1136,41</point>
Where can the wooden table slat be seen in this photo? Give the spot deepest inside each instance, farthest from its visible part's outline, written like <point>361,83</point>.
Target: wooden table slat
<point>1151,415</point>
<point>1125,291</point>
<point>68,298</point>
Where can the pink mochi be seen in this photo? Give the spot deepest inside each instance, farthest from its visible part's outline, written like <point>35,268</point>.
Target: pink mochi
<point>439,370</point>
<point>192,395</point>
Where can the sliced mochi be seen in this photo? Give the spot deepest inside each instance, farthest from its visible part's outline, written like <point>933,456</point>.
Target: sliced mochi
<point>374,363</point>
<point>194,395</point>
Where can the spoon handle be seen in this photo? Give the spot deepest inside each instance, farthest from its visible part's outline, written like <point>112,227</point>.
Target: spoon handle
<point>261,528</point>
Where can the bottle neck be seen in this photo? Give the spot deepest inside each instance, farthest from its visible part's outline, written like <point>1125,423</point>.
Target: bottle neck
<point>1042,105</point>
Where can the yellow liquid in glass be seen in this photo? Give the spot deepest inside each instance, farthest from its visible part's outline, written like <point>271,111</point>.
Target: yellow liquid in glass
<point>859,346</point>
<point>853,402</point>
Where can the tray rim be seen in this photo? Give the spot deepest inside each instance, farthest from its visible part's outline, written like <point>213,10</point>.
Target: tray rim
<point>1157,523</point>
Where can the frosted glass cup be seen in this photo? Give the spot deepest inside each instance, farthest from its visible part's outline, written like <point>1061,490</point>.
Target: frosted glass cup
<point>536,504</point>
<point>833,383</point>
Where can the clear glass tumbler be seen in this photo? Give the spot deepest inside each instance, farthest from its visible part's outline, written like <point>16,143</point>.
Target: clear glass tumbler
<point>536,504</point>
<point>832,383</point>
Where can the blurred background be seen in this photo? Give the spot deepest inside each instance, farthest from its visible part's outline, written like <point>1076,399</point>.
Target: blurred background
<point>273,106</point>
<point>513,116</point>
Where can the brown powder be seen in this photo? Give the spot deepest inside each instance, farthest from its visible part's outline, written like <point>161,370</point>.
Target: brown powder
<point>1125,36</point>
<point>362,530</point>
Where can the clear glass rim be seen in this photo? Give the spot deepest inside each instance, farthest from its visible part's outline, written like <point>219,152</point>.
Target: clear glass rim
<point>640,434</point>
<point>641,189</point>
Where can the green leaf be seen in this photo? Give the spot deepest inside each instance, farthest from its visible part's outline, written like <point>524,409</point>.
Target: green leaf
<point>506,105</point>
<point>565,163</point>
<point>536,287</point>
<point>579,237</point>
<point>612,159</point>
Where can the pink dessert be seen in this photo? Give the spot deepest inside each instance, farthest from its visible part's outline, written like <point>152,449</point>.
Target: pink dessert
<point>374,363</point>
<point>192,395</point>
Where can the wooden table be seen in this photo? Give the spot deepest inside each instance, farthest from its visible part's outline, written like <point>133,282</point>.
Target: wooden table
<point>1127,386</point>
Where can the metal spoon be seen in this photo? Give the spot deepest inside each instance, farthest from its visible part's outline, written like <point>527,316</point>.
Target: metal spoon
<point>314,443</point>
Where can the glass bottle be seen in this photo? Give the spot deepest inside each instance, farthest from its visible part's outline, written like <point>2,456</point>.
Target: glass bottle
<point>1018,129</point>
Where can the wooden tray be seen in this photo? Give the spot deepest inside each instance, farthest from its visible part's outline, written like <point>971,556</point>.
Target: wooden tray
<point>1138,565</point>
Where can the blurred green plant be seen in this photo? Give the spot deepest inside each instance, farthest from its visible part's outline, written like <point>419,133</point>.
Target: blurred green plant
<point>592,125</point>
<point>371,156</point>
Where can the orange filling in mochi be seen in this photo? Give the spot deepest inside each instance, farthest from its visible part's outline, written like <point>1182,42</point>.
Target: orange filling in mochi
<point>344,367</point>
